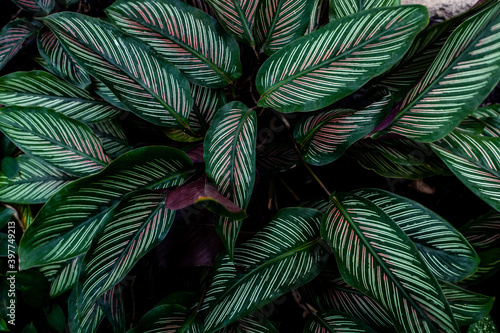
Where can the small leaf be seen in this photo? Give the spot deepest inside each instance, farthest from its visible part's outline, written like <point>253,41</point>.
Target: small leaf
<point>56,318</point>
<point>10,167</point>
<point>12,38</point>
<point>42,7</point>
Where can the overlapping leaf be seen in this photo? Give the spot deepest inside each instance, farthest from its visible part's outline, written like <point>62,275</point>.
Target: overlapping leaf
<point>336,60</point>
<point>462,75</point>
<point>63,275</point>
<point>341,8</point>
<point>334,321</point>
<point>65,226</point>
<point>319,15</point>
<point>483,232</point>
<point>114,140</point>
<point>5,215</point>
<point>376,257</point>
<point>43,7</point>
<point>206,103</point>
<point>12,38</point>
<point>111,303</point>
<point>279,22</point>
<point>169,318</point>
<point>87,322</point>
<point>277,157</point>
<point>187,37</point>
<point>143,81</point>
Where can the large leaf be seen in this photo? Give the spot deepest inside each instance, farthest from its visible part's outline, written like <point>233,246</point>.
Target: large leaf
<point>169,318</point>
<point>462,75</point>
<point>65,226</point>
<point>338,59</point>
<point>375,256</point>
<point>36,182</point>
<point>37,88</point>
<point>60,141</point>
<point>43,7</point>
<point>326,136</point>
<point>341,8</point>
<point>334,321</point>
<point>146,83</point>
<point>474,160</point>
<point>12,38</point>
<point>201,50</point>
<point>281,257</point>
<point>279,22</point>
<point>445,251</point>
<point>63,275</point>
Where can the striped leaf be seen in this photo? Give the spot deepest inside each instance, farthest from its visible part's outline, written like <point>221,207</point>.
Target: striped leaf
<point>462,75</point>
<point>200,4</point>
<point>114,140</point>
<point>256,322</point>
<point>334,321</point>
<point>37,88</point>
<point>5,215</point>
<point>341,8</point>
<point>36,182</point>
<point>60,141</point>
<point>319,15</point>
<point>487,111</point>
<point>12,37</point>
<point>185,36</point>
<point>101,90</point>
<point>474,160</point>
<point>483,232</point>
<point>325,137</point>
<point>279,22</point>
<point>206,103</point>
<point>283,256</point>
<point>42,7</point>
<point>376,257</point>
<point>237,17</point>
<point>66,224</point>
<point>471,125</point>
<point>277,157</point>
<point>338,59</point>
<point>87,322</point>
<point>490,117</point>
<point>445,251</point>
<point>58,62</point>
<point>63,275</point>
<point>488,267</point>
<point>169,318</point>
<point>111,303</point>
<point>144,82</point>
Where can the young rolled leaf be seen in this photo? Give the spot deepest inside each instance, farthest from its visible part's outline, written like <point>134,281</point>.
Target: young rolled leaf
<point>283,256</point>
<point>341,8</point>
<point>445,251</point>
<point>62,142</point>
<point>12,38</point>
<point>171,317</point>
<point>43,7</point>
<point>335,321</point>
<point>338,59</point>
<point>41,89</point>
<point>326,136</point>
<point>185,36</point>
<point>143,81</point>
<point>474,160</point>
<point>462,75</point>
<point>66,224</point>
<point>376,257</point>
<point>483,232</point>
<point>63,275</point>
<point>114,140</point>
<point>36,182</point>
<point>279,22</point>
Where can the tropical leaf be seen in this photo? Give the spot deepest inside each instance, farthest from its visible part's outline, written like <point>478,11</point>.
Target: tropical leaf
<point>228,230</point>
<point>256,322</point>
<point>488,267</point>
<point>12,37</point>
<point>206,104</point>
<point>144,82</point>
<point>41,89</point>
<point>58,62</point>
<point>485,325</point>
<point>106,94</point>
<point>474,160</point>
<point>283,256</point>
<point>6,214</point>
<point>279,22</point>
<point>490,116</point>
<point>461,76</point>
<point>114,140</point>
<point>376,257</point>
<point>237,17</point>
<point>111,303</point>
<point>277,157</point>
<point>336,60</point>
<point>36,182</point>
<point>487,111</point>
<point>325,137</point>
<point>8,245</point>
<point>200,4</point>
<point>87,322</point>
<point>201,50</point>
<point>79,208</point>
<point>43,7</point>
<point>62,276</point>
<point>484,231</point>
<point>319,15</point>
<point>334,321</point>
<point>169,318</point>
<point>341,8</point>
<point>471,125</point>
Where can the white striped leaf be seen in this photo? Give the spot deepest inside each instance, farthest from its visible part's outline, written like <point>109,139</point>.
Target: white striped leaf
<point>79,322</point>
<point>319,15</point>
<point>62,276</point>
<point>490,115</point>
<point>12,38</point>
<point>277,157</point>
<point>487,111</point>
<point>144,82</point>
<point>111,303</point>
<point>475,161</point>
<point>254,323</point>
<point>321,68</point>
<point>62,142</point>
<point>376,257</point>
<point>325,137</point>
<point>445,251</point>
<point>202,5</point>
<point>169,318</point>
<point>484,231</point>
<point>341,8</point>
<point>237,17</point>
<point>281,257</point>
<point>462,75</point>
<point>36,182</point>
<point>206,103</point>
<point>42,7</point>
<point>41,89</point>
<point>106,94</point>
<point>114,140</point>
<point>185,36</point>
<point>471,125</point>
<point>66,224</point>
<point>488,267</point>
<point>58,62</point>
<point>279,22</point>
<point>335,321</point>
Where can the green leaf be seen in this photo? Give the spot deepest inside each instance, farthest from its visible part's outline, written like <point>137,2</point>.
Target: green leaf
<point>376,257</point>
<point>201,50</point>
<point>42,7</point>
<point>334,321</point>
<point>7,245</point>
<point>6,214</point>
<point>319,15</point>
<point>147,84</point>
<point>341,8</point>
<point>3,325</point>
<point>485,325</point>
<point>484,231</point>
<point>474,160</point>
<point>113,307</point>
<point>487,111</point>
<point>62,276</point>
<point>277,157</point>
<point>462,75</point>
<point>114,140</point>
<point>78,209</point>
<point>338,59</point>
<point>106,94</point>
<point>10,167</point>
<point>325,137</point>
<point>488,267</point>
<point>60,141</point>
<point>30,328</point>
<point>87,322</point>
<point>173,317</point>
<point>206,104</point>
<point>279,22</point>
<point>56,318</point>
<point>445,251</point>
<point>12,37</point>
<point>281,257</point>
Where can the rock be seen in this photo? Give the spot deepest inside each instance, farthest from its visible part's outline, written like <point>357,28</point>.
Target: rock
<point>443,9</point>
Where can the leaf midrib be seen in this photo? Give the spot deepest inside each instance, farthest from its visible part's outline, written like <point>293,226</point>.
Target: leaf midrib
<point>271,30</point>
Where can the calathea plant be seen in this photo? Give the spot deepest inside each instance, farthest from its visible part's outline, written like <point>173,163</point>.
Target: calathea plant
<point>133,119</point>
